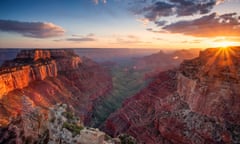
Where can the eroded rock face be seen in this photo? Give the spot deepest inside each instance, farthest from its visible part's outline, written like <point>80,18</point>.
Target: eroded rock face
<point>51,76</point>
<point>189,105</point>
<point>18,77</point>
<point>210,83</point>
<point>58,125</point>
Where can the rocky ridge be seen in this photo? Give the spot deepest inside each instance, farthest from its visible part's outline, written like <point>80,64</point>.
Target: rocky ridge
<point>210,83</point>
<point>47,77</point>
<point>196,103</point>
<point>61,126</point>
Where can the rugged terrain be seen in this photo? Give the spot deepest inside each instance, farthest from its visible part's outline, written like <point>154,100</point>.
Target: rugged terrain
<point>60,126</point>
<point>197,103</point>
<point>129,78</point>
<point>47,77</point>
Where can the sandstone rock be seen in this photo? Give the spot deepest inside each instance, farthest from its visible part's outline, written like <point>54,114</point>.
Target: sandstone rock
<point>195,104</point>
<point>48,77</point>
<point>210,83</point>
<point>61,126</point>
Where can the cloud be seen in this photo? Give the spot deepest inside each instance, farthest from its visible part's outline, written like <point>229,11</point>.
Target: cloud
<point>191,41</point>
<point>80,39</point>
<point>156,31</point>
<point>212,25</point>
<point>153,10</point>
<point>129,39</point>
<point>88,35</point>
<point>97,1</point>
<point>221,39</point>
<point>144,21</point>
<point>32,29</point>
<point>160,23</point>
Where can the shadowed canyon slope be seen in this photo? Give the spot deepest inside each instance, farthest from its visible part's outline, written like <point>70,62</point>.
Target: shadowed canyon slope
<point>129,78</point>
<point>197,103</point>
<point>47,77</point>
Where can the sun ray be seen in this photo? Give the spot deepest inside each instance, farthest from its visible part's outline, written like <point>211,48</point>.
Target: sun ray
<point>222,60</point>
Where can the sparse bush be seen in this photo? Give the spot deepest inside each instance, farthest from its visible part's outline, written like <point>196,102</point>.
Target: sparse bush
<point>127,139</point>
<point>75,129</point>
<point>69,115</point>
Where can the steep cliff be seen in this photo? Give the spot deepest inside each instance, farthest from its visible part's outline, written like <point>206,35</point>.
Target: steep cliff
<point>195,104</point>
<point>210,83</point>
<point>48,77</point>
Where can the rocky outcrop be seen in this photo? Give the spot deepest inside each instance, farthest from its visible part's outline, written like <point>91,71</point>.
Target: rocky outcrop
<point>51,76</point>
<point>32,65</point>
<point>210,83</point>
<point>60,125</point>
<point>20,76</point>
<point>195,104</point>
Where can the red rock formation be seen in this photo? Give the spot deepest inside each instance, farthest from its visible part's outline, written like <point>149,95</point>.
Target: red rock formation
<point>34,54</point>
<point>210,84</point>
<point>20,76</point>
<point>178,108</point>
<point>47,79</point>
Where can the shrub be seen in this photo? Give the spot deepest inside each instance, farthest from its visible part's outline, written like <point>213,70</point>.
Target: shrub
<point>75,129</point>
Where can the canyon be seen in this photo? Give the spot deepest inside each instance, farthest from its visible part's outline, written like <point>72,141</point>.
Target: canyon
<point>196,103</point>
<point>162,98</point>
<point>48,77</point>
<point>129,78</point>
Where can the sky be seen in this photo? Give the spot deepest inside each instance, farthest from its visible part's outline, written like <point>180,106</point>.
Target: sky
<point>162,24</point>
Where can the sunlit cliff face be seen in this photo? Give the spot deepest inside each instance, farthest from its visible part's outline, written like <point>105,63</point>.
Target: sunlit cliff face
<point>225,59</point>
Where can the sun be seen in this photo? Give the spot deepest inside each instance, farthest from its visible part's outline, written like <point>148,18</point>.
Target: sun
<point>223,60</point>
<point>224,44</point>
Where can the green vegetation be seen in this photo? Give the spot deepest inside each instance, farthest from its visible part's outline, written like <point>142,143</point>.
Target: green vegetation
<point>75,129</point>
<point>69,115</point>
<point>126,83</point>
<point>126,139</point>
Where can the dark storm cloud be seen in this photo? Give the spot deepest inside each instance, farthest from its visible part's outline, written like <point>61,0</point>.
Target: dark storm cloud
<point>153,10</point>
<point>31,29</point>
<point>208,26</point>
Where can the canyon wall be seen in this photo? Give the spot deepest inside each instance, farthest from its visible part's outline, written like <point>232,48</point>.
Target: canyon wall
<point>210,83</point>
<point>48,77</point>
<point>20,76</point>
<point>197,103</point>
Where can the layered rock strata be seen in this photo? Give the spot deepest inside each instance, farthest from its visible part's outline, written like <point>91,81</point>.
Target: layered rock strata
<point>198,103</point>
<point>48,77</point>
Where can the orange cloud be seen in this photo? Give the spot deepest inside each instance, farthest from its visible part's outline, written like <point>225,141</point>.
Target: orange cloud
<point>212,25</point>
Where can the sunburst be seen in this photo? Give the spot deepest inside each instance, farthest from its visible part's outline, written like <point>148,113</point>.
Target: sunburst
<point>224,44</point>
<point>224,59</point>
